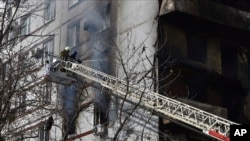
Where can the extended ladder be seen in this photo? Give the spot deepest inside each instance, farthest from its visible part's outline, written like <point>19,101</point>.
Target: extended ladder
<point>210,124</point>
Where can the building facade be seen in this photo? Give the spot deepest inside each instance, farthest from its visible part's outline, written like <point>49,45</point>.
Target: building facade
<point>196,52</point>
<point>81,110</point>
<point>207,41</point>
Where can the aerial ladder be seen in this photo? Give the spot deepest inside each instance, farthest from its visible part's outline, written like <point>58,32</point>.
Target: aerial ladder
<point>210,124</point>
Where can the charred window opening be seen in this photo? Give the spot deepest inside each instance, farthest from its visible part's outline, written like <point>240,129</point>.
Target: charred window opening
<point>101,110</point>
<point>100,116</point>
<point>196,48</point>
<point>70,104</point>
<point>69,124</point>
<point>229,59</point>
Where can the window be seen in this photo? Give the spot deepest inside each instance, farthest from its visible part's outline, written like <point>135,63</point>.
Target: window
<point>21,104</point>
<point>13,33</point>
<point>9,11</point>
<point>25,27</point>
<point>49,13</point>
<point>48,48</point>
<point>69,100</point>
<point>73,34</point>
<point>196,48</point>
<point>73,2</point>
<point>46,93</point>
<point>43,134</point>
<point>6,69</point>
<point>229,59</point>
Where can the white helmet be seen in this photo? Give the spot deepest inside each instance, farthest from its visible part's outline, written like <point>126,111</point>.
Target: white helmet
<point>67,48</point>
<point>54,60</point>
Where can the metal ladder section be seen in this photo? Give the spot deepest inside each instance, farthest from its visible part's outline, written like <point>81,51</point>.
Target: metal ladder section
<point>210,124</point>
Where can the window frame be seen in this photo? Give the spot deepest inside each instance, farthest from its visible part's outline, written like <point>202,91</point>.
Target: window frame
<point>21,104</point>
<point>73,34</point>
<point>9,11</point>
<point>49,10</point>
<point>46,90</point>
<point>43,134</point>
<point>48,48</point>
<point>25,29</point>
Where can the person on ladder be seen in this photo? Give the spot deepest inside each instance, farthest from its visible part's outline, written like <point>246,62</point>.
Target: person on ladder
<point>64,54</point>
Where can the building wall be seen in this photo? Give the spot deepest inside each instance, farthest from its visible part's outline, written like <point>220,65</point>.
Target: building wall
<point>134,28</point>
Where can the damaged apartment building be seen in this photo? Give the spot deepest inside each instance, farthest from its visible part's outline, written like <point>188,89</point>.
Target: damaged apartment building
<point>193,51</point>
<point>207,41</point>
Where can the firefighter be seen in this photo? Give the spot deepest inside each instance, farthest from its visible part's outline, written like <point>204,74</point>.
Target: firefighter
<point>73,57</point>
<point>64,54</point>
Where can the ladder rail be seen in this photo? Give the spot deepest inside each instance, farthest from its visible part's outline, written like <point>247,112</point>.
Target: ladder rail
<point>169,107</point>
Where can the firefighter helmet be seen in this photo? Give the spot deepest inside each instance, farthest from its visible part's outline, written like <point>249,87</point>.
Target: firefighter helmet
<point>67,48</point>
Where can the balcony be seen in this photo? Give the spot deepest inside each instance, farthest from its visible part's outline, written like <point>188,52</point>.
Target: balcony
<point>233,14</point>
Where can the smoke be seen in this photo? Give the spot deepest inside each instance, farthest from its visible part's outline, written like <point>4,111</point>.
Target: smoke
<point>97,24</point>
<point>97,19</point>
